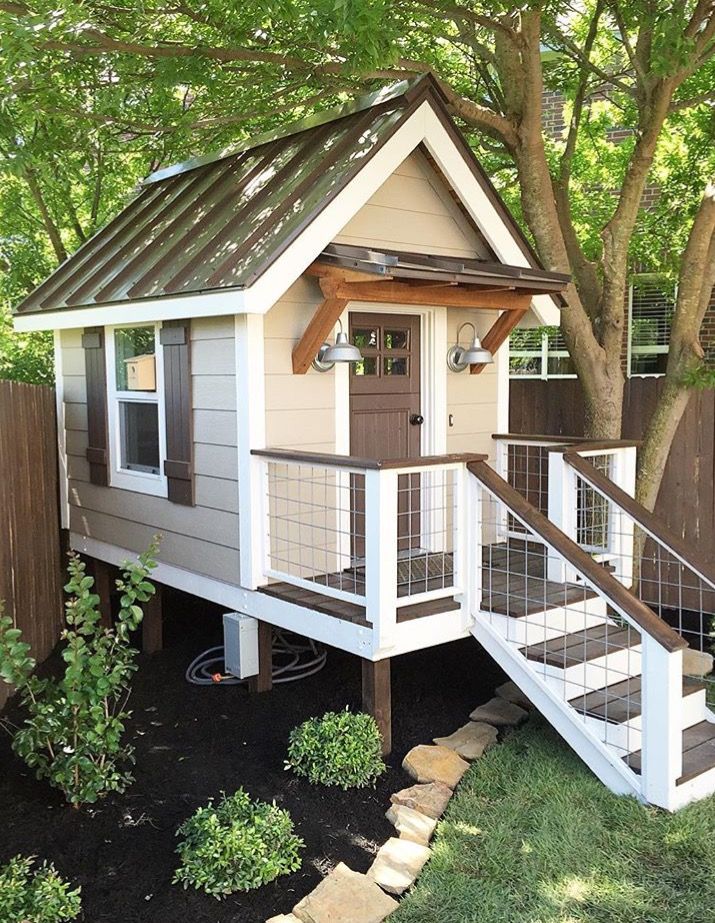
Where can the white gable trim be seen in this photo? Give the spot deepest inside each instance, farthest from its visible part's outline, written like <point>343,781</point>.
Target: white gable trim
<point>423,126</point>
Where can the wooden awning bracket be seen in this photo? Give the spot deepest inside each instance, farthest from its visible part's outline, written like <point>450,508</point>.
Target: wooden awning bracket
<point>341,286</point>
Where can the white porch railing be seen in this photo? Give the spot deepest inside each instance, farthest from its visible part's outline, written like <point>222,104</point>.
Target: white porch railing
<point>380,536</point>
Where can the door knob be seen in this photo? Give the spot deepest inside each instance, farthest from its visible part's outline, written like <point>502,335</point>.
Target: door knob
<point>416,419</point>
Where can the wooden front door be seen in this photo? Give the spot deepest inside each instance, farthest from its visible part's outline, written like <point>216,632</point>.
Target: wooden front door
<point>385,406</point>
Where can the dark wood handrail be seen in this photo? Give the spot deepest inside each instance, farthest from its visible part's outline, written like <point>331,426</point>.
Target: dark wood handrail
<point>535,437</point>
<point>568,442</point>
<point>617,594</point>
<point>648,521</point>
<point>368,464</point>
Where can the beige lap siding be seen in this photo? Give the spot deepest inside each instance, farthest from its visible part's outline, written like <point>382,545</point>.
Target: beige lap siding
<point>202,539</point>
<point>413,210</point>
<point>472,399</point>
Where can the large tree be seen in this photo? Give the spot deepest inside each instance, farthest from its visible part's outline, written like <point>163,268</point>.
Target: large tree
<point>97,93</point>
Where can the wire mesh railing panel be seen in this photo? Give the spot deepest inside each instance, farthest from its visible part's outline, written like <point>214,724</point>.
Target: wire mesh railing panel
<point>665,580</point>
<point>592,510</point>
<point>527,470</point>
<point>426,531</point>
<point>314,534</point>
<point>565,631</point>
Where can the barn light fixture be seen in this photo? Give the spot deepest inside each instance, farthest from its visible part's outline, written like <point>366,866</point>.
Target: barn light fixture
<point>342,351</point>
<point>459,357</point>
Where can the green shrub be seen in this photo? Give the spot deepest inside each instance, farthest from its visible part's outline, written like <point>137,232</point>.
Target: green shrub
<point>341,748</point>
<point>237,845</point>
<point>72,735</point>
<point>39,896</point>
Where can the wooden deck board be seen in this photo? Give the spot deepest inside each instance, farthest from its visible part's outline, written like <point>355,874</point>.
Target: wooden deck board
<point>576,647</point>
<point>698,752</point>
<point>620,702</point>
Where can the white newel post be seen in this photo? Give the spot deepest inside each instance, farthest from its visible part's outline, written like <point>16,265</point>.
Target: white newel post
<point>562,511</point>
<point>501,463</point>
<point>473,543</point>
<point>381,555</point>
<point>621,526</point>
<point>662,736</point>
<point>460,533</point>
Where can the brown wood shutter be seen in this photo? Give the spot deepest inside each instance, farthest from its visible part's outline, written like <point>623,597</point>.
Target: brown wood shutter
<point>175,340</point>
<point>96,377</point>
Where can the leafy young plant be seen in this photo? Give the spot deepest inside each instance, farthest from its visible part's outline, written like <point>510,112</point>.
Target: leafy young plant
<point>341,748</point>
<point>72,735</point>
<point>35,896</point>
<point>236,845</point>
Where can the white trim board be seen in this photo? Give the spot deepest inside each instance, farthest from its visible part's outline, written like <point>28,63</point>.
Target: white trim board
<point>423,126</point>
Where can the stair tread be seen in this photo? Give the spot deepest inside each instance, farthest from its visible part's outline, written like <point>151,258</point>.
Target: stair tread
<point>577,647</point>
<point>698,752</point>
<point>621,701</point>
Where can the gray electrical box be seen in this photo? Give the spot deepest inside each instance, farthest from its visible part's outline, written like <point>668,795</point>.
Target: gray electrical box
<point>240,641</point>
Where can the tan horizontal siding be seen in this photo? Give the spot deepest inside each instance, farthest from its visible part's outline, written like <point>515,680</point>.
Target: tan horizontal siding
<point>203,538</point>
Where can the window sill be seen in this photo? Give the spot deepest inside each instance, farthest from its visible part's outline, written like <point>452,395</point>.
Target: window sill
<point>139,482</point>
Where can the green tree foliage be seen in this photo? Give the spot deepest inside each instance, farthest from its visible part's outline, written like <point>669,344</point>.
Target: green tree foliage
<point>73,733</point>
<point>38,895</point>
<point>95,96</point>
<point>341,748</point>
<point>236,845</point>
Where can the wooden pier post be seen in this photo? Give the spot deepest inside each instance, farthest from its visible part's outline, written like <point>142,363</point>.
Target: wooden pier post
<point>377,698</point>
<point>263,681</point>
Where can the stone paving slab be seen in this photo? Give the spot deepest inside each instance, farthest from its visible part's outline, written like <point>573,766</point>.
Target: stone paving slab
<point>430,799</point>
<point>435,764</point>
<point>470,741</point>
<point>284,918</point>
<point>397,864</point>
<point>345,896</point>
<point>500,713</point>
<point>411,824</point>
<point>511,692</point>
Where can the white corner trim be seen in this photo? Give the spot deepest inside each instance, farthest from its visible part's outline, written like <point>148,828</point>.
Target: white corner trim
<point>251,429</point>
<point>62,472</point>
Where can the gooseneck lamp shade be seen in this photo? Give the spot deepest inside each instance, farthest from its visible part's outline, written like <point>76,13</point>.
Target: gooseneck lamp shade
<point>460,357</point>
<point>341,351</point>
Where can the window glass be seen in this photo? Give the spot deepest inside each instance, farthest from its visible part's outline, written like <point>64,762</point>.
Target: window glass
<point>365,366</point>
<point>365,339</point>
<point>539,352</point>
<point>652,303</point>
<point>139,430</point>
<point>135,368</point>
<point>395,366</point>
<point>396,339</point>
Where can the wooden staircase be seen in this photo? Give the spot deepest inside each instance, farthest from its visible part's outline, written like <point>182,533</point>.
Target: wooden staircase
<point>582,663</point>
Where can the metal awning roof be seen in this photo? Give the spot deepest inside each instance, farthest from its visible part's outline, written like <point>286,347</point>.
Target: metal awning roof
<point>402,264</point>
<point>219,222</point>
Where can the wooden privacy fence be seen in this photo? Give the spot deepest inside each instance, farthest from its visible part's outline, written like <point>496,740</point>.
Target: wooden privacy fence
<point>30,565</point>
<point>686,502</point>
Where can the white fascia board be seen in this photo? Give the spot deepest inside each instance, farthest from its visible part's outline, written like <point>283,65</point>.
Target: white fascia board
<point>168,307</point>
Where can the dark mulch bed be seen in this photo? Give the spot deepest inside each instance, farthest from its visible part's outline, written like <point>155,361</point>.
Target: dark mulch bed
<point>192,743</point>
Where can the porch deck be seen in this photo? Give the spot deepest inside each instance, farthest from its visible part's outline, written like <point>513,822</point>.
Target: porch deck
<point>513,583</point>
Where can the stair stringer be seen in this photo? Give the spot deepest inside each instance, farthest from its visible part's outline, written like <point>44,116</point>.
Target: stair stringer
<point>605,764</point>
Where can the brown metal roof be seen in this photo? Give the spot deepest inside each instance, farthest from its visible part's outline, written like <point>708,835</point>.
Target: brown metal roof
<point>403,264</point>
<point>220,221</point>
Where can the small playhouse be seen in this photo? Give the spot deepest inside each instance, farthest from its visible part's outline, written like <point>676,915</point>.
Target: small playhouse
<point>289,357</point>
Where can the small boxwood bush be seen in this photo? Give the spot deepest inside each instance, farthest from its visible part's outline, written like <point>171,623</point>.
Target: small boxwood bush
<point>341,748</point>
<point>35,896</point>
<point>236,845</point>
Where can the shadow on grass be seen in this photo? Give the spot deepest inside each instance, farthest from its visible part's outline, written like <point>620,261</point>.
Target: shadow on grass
<point>533,837</point>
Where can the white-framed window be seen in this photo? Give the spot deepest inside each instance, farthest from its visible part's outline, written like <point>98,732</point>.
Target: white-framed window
<point>135,403</point>
<point>651,302</point>
<point>539,352</point>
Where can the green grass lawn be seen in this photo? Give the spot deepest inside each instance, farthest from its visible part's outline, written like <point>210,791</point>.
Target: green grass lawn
<point>533,837</point>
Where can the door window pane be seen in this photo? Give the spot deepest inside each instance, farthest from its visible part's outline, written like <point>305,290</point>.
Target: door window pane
<point>397,339</point>
<point>365,338</point>
<point>397,366</point>
<point>139,433</point>
<point>367,366</point>
<point>135,368</point>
